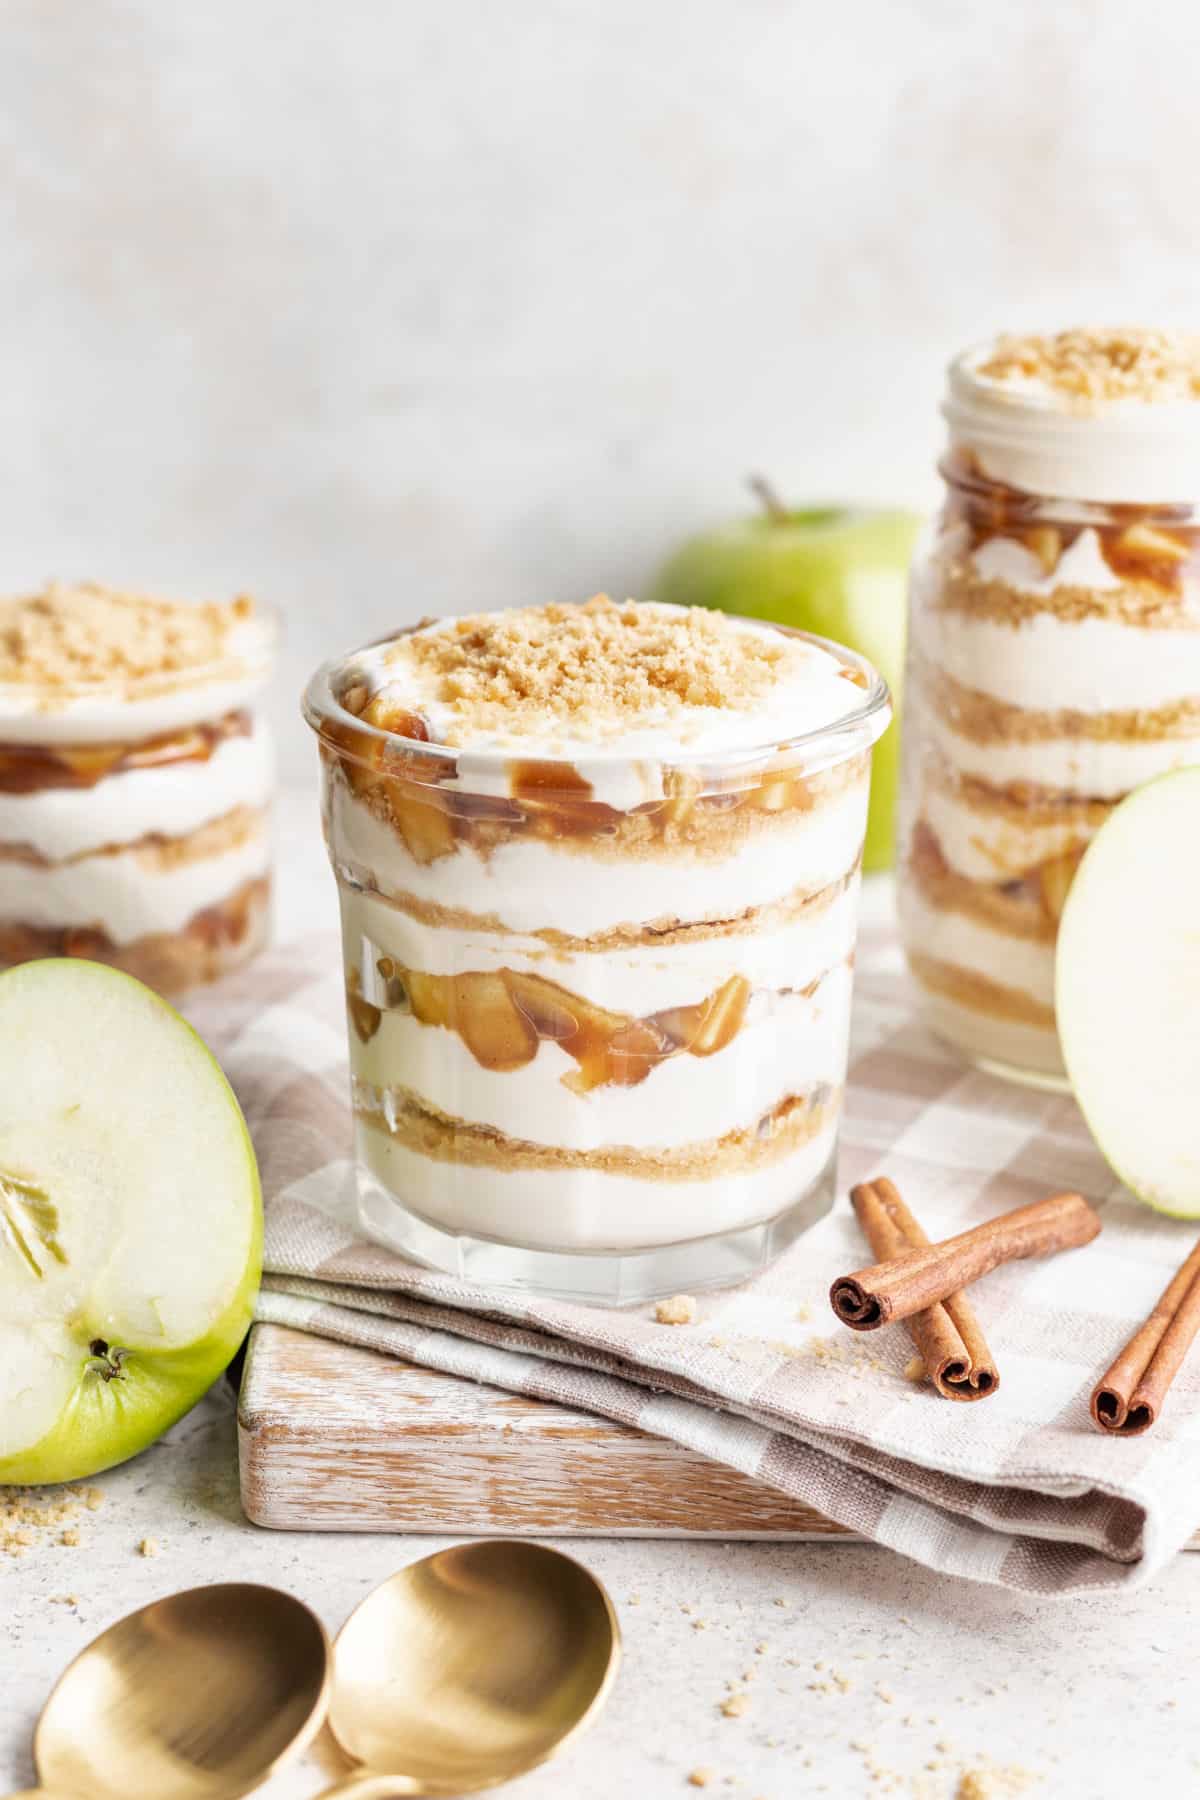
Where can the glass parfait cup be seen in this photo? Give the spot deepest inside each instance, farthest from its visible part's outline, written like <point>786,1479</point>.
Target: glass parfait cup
<point>598,1010</point>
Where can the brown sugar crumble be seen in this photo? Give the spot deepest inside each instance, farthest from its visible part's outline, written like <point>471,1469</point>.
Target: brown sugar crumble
<point>1091,366</point>
<point>28,1517</point>
<point>87,635</point>
<point>680,1309</point>
<point>599,666</point>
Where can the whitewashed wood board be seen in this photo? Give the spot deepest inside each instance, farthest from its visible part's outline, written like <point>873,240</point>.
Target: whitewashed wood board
<point>334,1438</point>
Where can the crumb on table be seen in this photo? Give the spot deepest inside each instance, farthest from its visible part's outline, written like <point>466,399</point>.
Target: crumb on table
<point>680,1309</point>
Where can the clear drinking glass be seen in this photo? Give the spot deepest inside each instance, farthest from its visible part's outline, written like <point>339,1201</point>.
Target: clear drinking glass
<point>598,1010</point>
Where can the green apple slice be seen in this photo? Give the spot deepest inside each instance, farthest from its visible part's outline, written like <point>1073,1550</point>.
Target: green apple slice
<point>1128,991</point>
<point>130,1220</point>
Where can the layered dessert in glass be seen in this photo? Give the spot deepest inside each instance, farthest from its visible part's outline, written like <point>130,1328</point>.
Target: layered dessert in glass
<point>135,782</point>
<point>598,868</point>
<point>1054,660</point>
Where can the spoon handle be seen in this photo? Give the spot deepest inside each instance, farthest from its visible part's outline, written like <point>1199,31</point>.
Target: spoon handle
<point>365,1786</point>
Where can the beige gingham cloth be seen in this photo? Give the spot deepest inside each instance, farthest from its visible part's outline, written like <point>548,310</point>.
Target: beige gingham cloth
<point>1020,1490</point>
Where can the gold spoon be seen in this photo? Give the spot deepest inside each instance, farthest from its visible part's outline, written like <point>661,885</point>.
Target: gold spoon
<point>468,1668</point>
<point>197,1697</point>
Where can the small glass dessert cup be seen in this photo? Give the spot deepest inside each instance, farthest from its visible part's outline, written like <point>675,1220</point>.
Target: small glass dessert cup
<point>598,948</point>
<point>1053,662</point>
<point>135,782</point>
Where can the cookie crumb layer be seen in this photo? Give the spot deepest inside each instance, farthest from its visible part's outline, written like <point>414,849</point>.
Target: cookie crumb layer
<point>77,636</point>
<point>1093,366</point>
<point>598,667</point>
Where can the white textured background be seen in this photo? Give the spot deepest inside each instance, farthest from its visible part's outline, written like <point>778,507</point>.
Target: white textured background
<point>380,308</point>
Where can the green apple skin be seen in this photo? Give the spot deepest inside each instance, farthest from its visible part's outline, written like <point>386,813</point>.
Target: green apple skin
<point>838,571</point>
<point>107,1422</point>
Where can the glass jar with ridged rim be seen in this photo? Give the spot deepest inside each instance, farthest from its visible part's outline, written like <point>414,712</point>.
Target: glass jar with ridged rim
<point>1054,662</point>
<point>598,1001</point>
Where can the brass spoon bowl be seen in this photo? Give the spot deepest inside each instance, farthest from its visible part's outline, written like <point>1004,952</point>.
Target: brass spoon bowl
<point>468,1668</point>
<point>196,1697</point>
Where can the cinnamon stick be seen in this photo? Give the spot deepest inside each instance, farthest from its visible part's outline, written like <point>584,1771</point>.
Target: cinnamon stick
<point>947,1335</point>
<point>916,1279</point>
<point>1130,1397</point>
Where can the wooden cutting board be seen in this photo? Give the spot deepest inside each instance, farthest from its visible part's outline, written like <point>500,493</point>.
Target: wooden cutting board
<point>333,1438</point>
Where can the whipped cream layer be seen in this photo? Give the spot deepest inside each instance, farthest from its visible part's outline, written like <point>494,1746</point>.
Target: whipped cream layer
<point>1021,963</point>
<point>170,800</point>
<point>534,884</point>
<point>1028,435</point>
<point>1100,769</point>
<point>125,894</point>
<point>635,978</point>
<point>789,1043</point>
<point>1049,664</point>
<point>584,1209</point>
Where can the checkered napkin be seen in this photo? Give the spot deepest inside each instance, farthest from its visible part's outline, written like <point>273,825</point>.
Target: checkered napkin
<point>1019,1489</point>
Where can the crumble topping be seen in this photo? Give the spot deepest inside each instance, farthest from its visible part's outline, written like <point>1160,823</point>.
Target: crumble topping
<point>1092,365</point>
<point>86,635</point>
<point>598,668</point>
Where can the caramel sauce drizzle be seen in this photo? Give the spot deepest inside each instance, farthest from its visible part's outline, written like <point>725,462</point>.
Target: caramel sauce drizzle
<point>1153,544</point>
<point>28,768</point>
<point>503,1017</point>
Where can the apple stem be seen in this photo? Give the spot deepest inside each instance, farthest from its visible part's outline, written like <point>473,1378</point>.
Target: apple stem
<point>105,1361</point>
<point>772,505</point>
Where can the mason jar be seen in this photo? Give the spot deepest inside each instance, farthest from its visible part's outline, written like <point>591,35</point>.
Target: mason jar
<point>1054,662</point>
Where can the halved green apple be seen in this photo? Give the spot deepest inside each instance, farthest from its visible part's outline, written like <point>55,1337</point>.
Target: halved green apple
<point>130,1220</point>
<point>1128,991</point>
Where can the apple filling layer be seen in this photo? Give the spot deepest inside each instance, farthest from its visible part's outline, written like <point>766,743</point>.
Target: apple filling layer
<point>503,1016</point>
<point>554,801</point>
<point>1146,554</point>
<point>787,1127</point>
<point>1027,906</point>
<point>29,768</point>
<point>215,940</point>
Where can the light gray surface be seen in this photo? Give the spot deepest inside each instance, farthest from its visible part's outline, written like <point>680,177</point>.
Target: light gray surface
<point>1094,1696</point>
<point>382,308</point>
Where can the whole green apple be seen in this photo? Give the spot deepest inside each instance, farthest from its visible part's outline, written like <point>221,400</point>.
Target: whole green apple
<point>839,571</point>
<point>130,1220</point>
